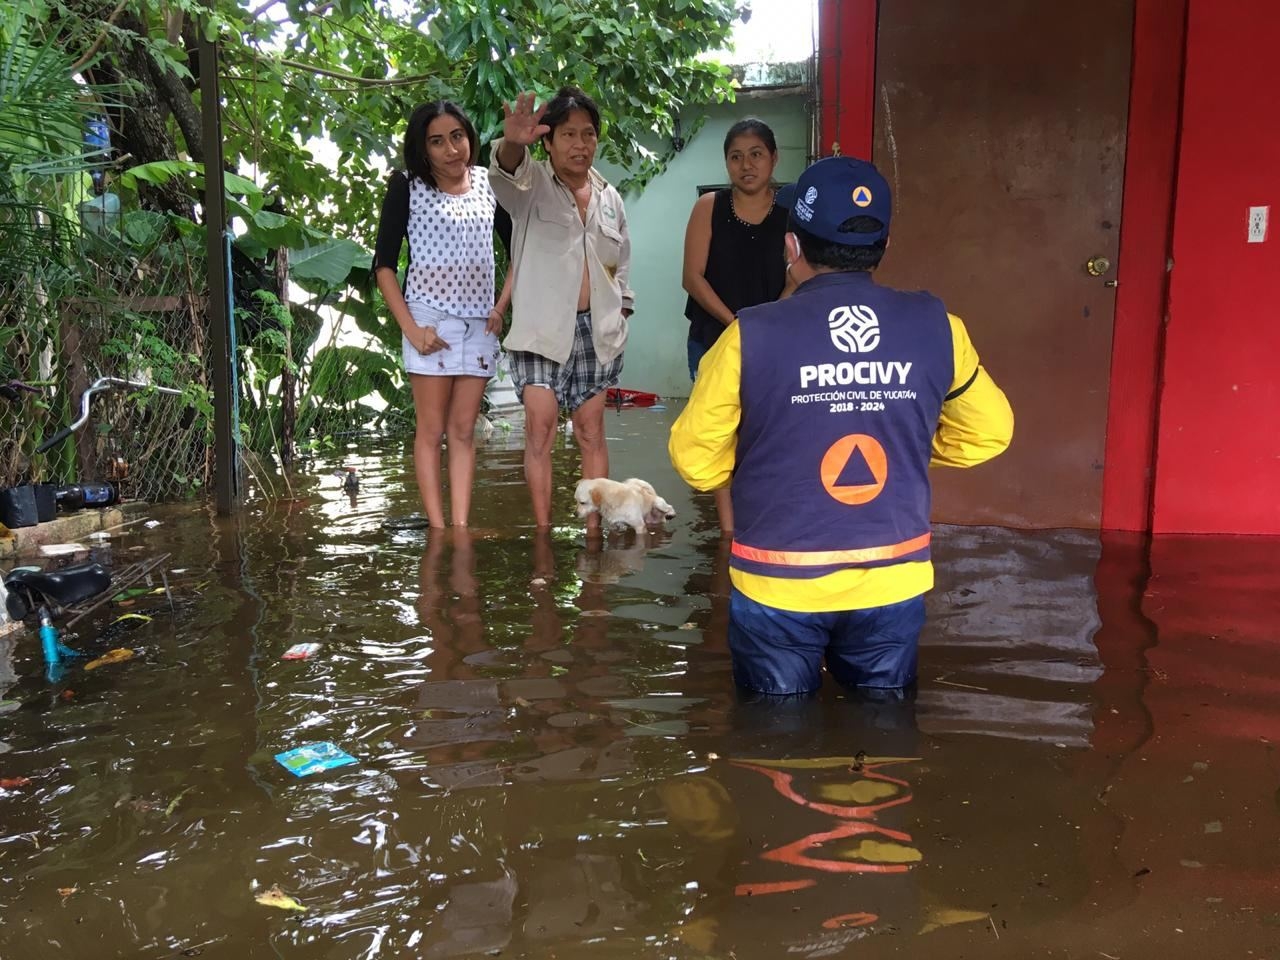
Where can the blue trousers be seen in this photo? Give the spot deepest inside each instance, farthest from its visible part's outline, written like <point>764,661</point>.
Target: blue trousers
<point>697,350</point>
<point>782,652</point>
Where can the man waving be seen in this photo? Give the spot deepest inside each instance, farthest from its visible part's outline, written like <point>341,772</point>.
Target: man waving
<point>571,254</point>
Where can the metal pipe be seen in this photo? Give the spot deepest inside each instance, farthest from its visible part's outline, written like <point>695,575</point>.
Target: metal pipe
<point>221,356</point>
<point>106,383</point>
<point>102,383</point>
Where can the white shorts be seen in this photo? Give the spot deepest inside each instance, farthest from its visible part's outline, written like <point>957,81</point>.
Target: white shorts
<point>473,351</point>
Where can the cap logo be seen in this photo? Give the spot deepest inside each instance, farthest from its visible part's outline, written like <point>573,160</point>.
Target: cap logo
<point>803,211</point>
<point>862,196</point>
<point>811,195</point>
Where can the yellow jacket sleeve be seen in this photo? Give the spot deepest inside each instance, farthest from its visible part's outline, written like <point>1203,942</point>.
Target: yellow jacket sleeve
<point>704,438</point>
<point>976,422</point>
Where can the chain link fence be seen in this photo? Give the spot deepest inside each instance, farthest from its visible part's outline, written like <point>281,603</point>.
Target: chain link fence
<point>113,295</point>
<point>316,369</point>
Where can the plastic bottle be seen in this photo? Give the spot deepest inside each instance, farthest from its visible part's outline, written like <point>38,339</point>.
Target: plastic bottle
<point>70,497</point>
<point>73,496</point>
<point>99,494</point>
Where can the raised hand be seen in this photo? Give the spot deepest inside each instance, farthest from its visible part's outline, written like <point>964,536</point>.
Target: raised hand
<point>522,125</point>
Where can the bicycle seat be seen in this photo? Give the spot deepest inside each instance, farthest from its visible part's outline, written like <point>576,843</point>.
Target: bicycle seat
<point>63,587</point>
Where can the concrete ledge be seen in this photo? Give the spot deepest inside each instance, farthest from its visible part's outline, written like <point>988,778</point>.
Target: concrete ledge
<point>7,627</point>
<point>69,528</point>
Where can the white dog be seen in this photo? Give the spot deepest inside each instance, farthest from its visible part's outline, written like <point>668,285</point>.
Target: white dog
<point>631,503</point>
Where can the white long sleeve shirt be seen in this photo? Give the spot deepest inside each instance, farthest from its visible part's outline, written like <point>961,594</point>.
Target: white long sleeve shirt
<point>550,243</point>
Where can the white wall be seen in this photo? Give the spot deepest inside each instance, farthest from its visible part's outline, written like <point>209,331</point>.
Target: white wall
<point>656,357</point>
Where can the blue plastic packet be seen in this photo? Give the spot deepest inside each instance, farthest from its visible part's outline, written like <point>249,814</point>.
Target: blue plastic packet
<point>312,758</point>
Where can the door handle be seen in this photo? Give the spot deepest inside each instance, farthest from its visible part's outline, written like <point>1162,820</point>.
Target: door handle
<point>1097,266</point>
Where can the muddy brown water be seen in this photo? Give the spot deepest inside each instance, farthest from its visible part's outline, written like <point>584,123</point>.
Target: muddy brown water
<point>552,761</point>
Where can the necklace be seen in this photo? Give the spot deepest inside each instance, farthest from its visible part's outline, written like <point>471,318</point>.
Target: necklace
<point>460,188</point>
<point>733,208</point>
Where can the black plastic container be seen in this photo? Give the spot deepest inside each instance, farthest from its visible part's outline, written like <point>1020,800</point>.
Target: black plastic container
<point>18,507</point>
<point>46,501</point>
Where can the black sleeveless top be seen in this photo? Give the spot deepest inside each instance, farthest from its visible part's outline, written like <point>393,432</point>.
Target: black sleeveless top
<point>744,264</point>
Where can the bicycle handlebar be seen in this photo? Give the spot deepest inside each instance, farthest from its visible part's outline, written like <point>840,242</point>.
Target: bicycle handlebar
<point>49,442</point>
<point>102,383</point>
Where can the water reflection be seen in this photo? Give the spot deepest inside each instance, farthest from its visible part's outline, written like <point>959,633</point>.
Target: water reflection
<point>802,843</point>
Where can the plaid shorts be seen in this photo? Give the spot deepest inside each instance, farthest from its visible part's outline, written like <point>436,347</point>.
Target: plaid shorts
<point>573,382</point>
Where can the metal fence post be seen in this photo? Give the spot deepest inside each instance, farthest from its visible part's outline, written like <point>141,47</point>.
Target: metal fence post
<point>225,466</point>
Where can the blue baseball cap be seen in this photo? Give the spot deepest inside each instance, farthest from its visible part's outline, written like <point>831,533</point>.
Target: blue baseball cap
<point>836,189</point>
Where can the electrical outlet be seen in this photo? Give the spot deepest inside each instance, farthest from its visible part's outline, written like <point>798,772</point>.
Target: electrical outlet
<point>1258,217</point>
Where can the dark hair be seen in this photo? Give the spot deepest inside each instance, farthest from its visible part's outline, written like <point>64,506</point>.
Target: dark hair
<point>755,127</point>
<point>846,258</point>
<point>566,100</point>
<point>416,163</point>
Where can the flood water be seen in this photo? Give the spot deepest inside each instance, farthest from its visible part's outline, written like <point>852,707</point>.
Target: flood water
<point>552,761</point>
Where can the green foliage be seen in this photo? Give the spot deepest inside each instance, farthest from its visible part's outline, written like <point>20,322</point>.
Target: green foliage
<point>41,111</point>
<point>316,96</point>
<point>639,61</point>
<point>350,75</point>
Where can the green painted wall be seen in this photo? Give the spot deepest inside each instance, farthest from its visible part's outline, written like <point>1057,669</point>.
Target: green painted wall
<point>656,358</point>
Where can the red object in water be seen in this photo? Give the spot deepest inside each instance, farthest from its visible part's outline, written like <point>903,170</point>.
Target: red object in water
<point>618,397</point>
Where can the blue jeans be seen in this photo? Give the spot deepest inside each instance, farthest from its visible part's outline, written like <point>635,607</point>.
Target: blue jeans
<point>781,652</point>
<point>697,350</point>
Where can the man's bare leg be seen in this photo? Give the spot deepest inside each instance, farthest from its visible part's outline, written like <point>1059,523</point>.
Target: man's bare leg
<point>588,433</point>
<point>541,413</point>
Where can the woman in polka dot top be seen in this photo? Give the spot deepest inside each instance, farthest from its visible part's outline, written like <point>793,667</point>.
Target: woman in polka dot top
<point>446,311</point>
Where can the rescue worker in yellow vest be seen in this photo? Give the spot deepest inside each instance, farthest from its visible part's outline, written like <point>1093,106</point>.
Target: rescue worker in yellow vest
<point>827,409</point>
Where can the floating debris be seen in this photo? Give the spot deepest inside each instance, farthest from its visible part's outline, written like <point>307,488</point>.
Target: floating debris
<point>313,758</point>
<point>62,549</point>
<point>275,897</point>
<point>412,522</point>
<point>118,655</point>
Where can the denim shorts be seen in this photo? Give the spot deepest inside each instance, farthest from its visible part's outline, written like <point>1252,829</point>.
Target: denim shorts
<point>575,381</point>
<point>473,351</point>
<point>782,652</point>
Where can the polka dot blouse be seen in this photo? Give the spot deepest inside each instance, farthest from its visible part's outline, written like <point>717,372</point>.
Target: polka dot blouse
<point>451,265</point>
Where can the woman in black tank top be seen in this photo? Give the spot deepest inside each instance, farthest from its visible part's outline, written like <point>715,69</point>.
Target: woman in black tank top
<point>733,250</point>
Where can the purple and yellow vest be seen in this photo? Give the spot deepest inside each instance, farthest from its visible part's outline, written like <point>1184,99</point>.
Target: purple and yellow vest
<point>842,385</point>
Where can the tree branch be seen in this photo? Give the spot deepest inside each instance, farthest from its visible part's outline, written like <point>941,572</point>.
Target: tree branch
<point>349,77</point>
<point>361,81</point>
<point>255,14</point>
<point>94,47</point>
<point>184,108</point>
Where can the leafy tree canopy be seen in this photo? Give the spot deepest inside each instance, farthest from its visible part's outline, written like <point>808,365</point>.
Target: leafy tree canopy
<point>316,95</point>
<point>296,72</point>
